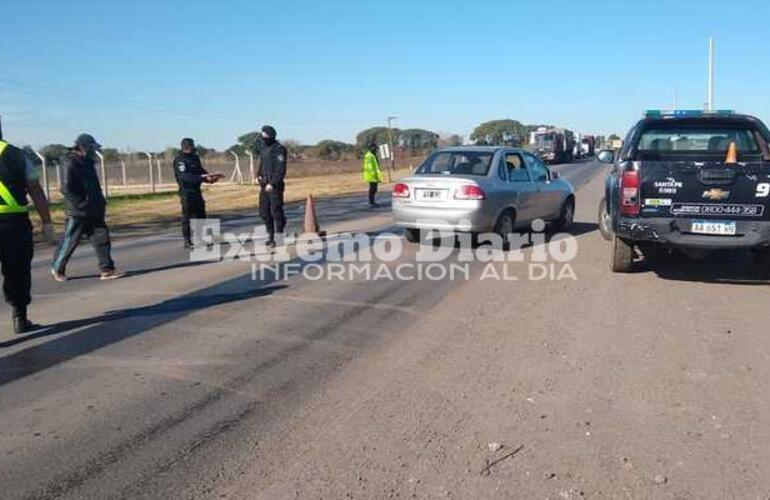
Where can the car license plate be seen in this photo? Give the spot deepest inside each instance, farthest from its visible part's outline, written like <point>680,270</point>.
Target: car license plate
<point>430,194</point>
<point>713,227</point>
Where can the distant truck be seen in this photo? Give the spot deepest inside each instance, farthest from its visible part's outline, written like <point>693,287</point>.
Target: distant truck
<point>553,145</point>
<point>587,146</point>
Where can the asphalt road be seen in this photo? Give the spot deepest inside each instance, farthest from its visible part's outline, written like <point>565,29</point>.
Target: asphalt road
<point>192,380</point>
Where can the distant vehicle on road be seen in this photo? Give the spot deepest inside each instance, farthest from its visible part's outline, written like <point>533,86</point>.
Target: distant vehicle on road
<point>587,146</point>
<point>553,145</point>
<point>480,189</point>
<point>691,180</point>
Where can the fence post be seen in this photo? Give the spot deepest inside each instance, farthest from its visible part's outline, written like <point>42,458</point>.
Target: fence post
<point>123,171</point>
<point>58,174</point>
<point>237,171</point>
<point>152,173</point>
<point>105,189</point>
<point>45,175</point>
<point>160,171</point>
<point>251,167</point>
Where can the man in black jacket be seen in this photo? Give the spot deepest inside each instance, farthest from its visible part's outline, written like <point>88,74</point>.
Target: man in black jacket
<point>190,174</point>
<point>85,206</point>
<point>272,171</point>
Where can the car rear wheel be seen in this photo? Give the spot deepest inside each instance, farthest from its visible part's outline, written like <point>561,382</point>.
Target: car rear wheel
<point>622,256</point>
<point>412,235</point>
<point>564,222</point>
<point>506,224</point>
<point>605,222</point>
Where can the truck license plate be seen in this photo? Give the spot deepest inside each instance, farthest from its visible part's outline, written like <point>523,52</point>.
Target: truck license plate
<point>713,227</point>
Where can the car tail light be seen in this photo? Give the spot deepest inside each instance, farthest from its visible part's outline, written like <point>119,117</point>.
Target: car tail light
<point>630,204</point>
<point>400,190</point>
<point>470,192</point>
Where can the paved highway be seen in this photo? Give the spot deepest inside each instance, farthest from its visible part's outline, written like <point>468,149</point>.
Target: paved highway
<point>191,380</point>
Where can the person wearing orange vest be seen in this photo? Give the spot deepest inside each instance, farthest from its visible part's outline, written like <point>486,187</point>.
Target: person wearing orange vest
<point>17,179</point>
<point>371,171</point>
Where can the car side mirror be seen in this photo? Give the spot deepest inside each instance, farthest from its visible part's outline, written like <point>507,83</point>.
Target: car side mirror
<point>606,156</point>
<point>554,175</point>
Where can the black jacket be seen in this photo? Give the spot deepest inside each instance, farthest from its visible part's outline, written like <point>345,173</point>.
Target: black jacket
<point>81,189</point>
<point>272,165</point>
<point>189,173</point>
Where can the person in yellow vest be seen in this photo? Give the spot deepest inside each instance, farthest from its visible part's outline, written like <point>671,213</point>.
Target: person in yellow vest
<point>371,171</point>
<point>18,178</point>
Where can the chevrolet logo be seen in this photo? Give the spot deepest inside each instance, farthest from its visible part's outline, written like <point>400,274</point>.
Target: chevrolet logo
<point>716,194</point>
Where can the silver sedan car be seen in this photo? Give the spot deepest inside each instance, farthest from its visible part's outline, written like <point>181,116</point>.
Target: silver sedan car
<point>481,189</point>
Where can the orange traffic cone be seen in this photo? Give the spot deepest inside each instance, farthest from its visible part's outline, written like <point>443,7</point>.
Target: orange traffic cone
<point>311,223</point>
<point>732,154</point>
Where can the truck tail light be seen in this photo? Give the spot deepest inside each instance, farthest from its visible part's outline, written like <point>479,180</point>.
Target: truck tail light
<point>630,203</point>
<point>470,192</point>
<point>400,190</point>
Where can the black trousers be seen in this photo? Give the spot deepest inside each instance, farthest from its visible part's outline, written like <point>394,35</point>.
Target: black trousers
<point>271,210</point>
<point>372,191</point>
<point>193,207</point>
<point>16,251</point>
<point>76,228</point>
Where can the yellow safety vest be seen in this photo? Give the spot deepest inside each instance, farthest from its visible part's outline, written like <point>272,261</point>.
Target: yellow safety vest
<point>8,204</point>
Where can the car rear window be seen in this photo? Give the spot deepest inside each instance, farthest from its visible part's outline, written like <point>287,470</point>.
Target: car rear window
<point>674,141</point>
<point>457,163</point>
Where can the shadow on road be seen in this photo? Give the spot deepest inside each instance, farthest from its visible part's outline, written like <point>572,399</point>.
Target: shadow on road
<point>728,267</point>
<point>115,326</point>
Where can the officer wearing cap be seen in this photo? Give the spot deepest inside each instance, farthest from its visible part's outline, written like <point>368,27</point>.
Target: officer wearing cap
<point>272,171</point>
<point>190,174</point>
<point>86,209</point>
<point>17,179</point>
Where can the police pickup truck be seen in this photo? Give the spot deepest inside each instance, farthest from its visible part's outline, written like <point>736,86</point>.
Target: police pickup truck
<point>691,180</point>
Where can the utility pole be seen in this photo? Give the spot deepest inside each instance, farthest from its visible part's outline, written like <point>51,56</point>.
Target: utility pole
<point>710,104</point>
<point>392,147</point>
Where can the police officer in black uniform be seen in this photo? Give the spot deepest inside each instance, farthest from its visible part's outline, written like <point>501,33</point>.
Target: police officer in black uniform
<point>17,179</point>
<point>190,174</point>
<point>86,210</point>
<point>272,171</point>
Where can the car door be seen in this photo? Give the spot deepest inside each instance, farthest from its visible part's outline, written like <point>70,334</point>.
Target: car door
<point>541,205</point>
<point>522,191</point>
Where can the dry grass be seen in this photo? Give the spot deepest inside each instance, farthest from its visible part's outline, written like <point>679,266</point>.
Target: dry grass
<point>152,212</point>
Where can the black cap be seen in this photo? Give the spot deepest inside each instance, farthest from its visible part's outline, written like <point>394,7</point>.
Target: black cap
<point>87,141</point>
<point>187,143</point>
<point>269,131</point>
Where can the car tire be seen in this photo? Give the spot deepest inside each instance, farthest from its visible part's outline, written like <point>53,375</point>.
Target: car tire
<point>412,235</point>
<point>605,222</point>
<point>505,224</point>
<point>567,215</point>
<point>622,256</point>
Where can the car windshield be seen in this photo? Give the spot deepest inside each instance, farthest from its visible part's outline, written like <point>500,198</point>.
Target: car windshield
<point>673,141</point>
<point>457,163</point>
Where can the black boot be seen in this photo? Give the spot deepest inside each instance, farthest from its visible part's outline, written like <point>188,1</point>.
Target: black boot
<point>21,324</point>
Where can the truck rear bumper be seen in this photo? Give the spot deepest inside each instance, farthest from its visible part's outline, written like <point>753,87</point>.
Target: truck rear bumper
<point>675,232</point>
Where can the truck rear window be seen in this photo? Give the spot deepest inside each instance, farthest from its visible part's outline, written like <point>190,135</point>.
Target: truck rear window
<point>689,140</point>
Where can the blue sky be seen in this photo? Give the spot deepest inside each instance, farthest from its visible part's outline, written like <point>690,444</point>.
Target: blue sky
<point>142,74</point>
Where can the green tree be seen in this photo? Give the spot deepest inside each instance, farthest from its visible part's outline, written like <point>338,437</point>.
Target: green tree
<point>54,153</point>
<point>110,154</point>
<point>251,141</point>
<point>450,140</point>
<point>332,150</point>
<point>501,133</point>
<point>379,134</point>
<point>416,139</point>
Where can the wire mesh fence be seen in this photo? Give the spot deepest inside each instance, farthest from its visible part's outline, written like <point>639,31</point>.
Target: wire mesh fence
<point>139,173</point>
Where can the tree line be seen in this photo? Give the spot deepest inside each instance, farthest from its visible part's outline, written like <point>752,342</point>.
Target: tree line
<point>410,142</point>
